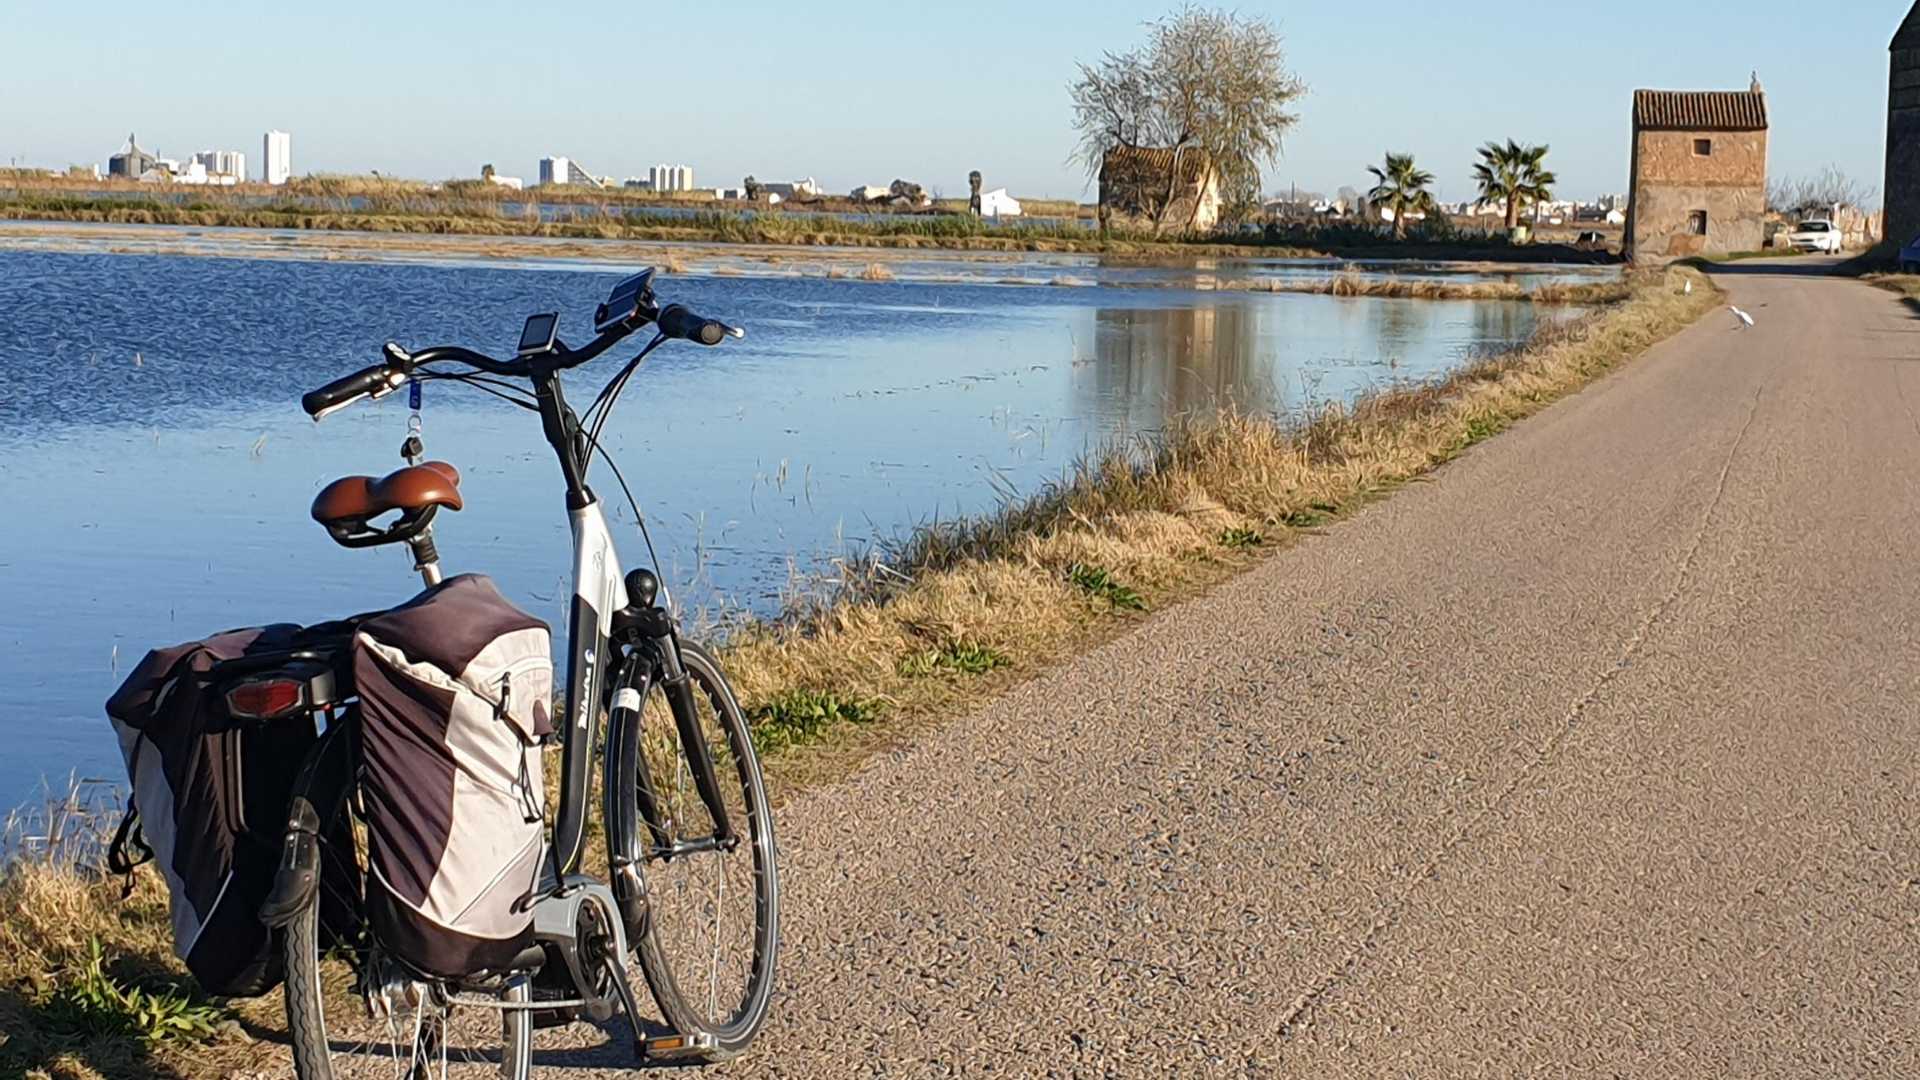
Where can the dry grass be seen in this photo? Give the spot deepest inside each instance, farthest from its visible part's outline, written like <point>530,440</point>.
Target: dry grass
<point>1907,285</point>
<point>1350,283</point>
<point>59,908</point>
<point>874,271</point>
<point>934,623</point>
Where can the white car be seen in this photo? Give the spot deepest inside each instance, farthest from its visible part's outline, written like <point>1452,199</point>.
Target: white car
<point>1815,236</point>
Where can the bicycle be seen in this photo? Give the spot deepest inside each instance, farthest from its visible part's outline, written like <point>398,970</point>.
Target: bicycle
<point>682,789</point>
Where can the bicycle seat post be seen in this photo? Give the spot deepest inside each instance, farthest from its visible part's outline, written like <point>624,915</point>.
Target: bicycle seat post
<point>426,557</point>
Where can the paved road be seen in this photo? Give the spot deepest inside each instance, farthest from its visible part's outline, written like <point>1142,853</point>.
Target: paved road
<point>1595,756</point>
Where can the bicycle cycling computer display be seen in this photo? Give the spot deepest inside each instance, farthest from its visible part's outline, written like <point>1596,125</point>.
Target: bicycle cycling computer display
<point>539,333</point>
<point>624,301</point>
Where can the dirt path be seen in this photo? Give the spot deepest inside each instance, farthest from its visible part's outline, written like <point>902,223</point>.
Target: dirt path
<point>1597,755</point>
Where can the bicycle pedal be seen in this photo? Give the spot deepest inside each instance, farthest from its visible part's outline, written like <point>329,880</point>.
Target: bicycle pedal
<point>671,1049</point>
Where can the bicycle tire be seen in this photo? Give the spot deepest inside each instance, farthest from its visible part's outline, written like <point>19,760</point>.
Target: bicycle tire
<point>731,1035</point>
<point>313,1044</point>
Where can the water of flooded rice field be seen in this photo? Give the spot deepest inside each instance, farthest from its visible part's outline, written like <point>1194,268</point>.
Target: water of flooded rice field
<point>157,470</point>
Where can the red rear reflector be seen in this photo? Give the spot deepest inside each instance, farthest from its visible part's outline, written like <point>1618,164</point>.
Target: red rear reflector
<point>264,698</point>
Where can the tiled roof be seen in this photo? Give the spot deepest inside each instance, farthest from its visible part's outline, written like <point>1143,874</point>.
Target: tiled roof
<point>1136,163</point>
<point>1699,110</point>
<point>1908,36</point>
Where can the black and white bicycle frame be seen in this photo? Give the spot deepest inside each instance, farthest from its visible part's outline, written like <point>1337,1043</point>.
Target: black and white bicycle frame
<point>620,640</point>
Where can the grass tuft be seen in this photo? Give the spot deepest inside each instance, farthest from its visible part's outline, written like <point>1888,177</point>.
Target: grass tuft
<point>959,658</point>
<point>1240,537</point>
<point>798,717</point>
<point>90,1004</point>
<point>1100,582</point>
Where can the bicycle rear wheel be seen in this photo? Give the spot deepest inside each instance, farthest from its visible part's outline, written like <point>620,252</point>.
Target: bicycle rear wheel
<point>420,1031</point>
<point>713,934</point>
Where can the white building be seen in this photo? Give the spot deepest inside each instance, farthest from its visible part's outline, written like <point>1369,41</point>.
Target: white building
<point>562,170</point>
<point>867,193</point>
<point>223,166</point>
<point>277,149</point>
<point>808,188</point>
<point>997,203</point>
<point>671,177</point>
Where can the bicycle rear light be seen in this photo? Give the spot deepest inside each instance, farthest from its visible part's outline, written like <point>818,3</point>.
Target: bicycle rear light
<point>266,699</point>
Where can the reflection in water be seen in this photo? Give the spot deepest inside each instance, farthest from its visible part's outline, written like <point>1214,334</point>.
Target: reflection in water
<point>1153,364</point>
<point>1273,354</point>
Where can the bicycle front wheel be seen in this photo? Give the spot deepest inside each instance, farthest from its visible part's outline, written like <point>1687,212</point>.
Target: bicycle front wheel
<point>713,933</point>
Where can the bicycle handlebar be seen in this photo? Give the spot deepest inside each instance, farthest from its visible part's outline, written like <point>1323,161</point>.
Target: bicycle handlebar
<point>367,382</point>
<point>673,321</point>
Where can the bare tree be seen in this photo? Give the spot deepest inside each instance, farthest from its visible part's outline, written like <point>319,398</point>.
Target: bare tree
<point>1819,193</point>
<point>1207,81</point>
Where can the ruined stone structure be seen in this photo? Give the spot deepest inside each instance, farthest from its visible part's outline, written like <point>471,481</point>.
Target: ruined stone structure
<point>1699,181</point>
<point>1138,185</point>
<point>1903,133</point>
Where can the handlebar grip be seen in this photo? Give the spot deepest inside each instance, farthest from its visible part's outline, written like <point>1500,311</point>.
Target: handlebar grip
<point>343,390</point>
<point>677,322</point>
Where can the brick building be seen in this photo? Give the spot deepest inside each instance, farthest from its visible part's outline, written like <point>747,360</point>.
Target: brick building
<point>1699,181</point>
<point>1903,133</point>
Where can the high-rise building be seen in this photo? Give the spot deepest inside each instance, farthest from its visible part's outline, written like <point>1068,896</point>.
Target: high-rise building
<point>555,170</point>
<point>277,148</point>
<point>671,177</point>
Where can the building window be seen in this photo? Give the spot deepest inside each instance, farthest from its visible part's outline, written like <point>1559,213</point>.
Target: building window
<point>1703,147</point>
<point>1697,223</point>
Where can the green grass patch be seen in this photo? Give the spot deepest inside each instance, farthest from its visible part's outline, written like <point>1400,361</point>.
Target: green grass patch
<point>798,717</point>
<point>1097,581</point>
<point>1482,428</point>
<point>1241,537</point>
<point>959,658</point>
<point>90,1004</point>
<point>1315,514</point>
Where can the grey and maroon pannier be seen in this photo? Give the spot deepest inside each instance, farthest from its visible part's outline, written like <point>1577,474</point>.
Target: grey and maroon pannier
<point>209,804</point>
<point>455,691</point>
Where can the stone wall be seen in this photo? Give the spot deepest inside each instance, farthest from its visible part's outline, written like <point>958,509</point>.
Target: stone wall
<point>1671,181</point>
<point>1903,147</point>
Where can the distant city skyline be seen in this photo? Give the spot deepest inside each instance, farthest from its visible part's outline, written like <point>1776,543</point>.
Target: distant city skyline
<point>921,98</point>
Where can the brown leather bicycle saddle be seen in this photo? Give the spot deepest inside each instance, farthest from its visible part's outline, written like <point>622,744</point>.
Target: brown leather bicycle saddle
<point>354,499</point>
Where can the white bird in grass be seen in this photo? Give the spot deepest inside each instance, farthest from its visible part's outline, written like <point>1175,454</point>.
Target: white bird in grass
<point>1746,320</point>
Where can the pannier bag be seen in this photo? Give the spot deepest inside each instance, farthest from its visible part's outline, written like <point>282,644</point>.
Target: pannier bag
<point>455,689</point>
<point>210,804</point>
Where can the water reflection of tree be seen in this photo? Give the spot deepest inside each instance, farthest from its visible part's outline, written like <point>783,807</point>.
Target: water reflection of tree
<point>1153,364</point>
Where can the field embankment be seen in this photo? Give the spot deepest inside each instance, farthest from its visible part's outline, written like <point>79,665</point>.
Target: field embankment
<point>1353,284</point>
<point>464,211</point>
<point>88,986</point>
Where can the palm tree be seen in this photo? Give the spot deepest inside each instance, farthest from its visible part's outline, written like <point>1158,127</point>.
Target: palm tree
<point>1515,173</point>
<point>1403,190</point>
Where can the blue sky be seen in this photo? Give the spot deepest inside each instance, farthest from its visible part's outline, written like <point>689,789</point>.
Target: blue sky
<point>430,89</point>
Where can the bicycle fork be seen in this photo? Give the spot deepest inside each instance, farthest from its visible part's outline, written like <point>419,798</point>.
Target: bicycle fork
<point>648,662</point>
